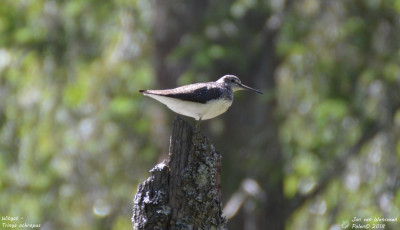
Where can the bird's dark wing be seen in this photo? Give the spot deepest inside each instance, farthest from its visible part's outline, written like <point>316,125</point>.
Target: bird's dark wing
<point>199,93</point>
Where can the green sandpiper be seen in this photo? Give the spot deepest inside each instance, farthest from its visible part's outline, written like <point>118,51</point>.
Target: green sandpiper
<point>201,101</point>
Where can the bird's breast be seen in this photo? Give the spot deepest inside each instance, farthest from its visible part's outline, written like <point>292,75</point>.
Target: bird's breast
<point>215,108</point>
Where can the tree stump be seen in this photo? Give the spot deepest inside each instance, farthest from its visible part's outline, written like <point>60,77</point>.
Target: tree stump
<point>183,192</point>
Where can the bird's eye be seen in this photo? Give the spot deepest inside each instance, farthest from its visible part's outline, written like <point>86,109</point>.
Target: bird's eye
<point>233,80</point>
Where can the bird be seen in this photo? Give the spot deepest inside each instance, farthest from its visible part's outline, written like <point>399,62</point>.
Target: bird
<point>201,101</point>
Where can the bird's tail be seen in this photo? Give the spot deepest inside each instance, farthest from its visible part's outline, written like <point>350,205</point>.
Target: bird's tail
<point>142,91</point>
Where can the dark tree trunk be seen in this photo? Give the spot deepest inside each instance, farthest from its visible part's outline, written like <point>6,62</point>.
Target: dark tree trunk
<point>183,193</point>
<point>173,19</point>
<point>252,116</point>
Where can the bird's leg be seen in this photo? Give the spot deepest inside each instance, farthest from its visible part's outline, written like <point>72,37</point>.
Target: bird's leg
<point>198,124</point>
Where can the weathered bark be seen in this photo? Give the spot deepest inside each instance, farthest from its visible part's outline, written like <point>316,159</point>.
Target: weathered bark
<point>183,193</point>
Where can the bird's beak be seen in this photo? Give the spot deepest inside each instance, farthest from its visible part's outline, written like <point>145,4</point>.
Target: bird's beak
<point>249,88</point>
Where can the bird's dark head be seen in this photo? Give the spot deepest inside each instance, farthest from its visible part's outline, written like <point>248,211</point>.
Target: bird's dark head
<point>235,84</point>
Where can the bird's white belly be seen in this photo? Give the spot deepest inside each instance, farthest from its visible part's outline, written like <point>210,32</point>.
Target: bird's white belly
<point>198,111</point>
<point>215,108</point>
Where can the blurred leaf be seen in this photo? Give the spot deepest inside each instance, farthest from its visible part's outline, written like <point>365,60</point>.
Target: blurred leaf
<point>122,223</point>
<point>216,52</point>
<point>304,164</point>
<point>290,186</point>
<point>329,111</point>
<point>397,6</point>
<point>392,72</point>
<point>74,95</point>
<point>121,106</point>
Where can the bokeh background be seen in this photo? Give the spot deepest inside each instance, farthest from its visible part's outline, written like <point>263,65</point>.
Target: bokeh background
<point>319,147</point>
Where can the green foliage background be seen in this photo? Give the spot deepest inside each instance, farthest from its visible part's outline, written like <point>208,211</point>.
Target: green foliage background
<point>73,142</point>
<point>76,138</point>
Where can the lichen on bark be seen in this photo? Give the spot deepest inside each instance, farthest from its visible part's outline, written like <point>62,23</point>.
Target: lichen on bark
<point>184,191</point>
